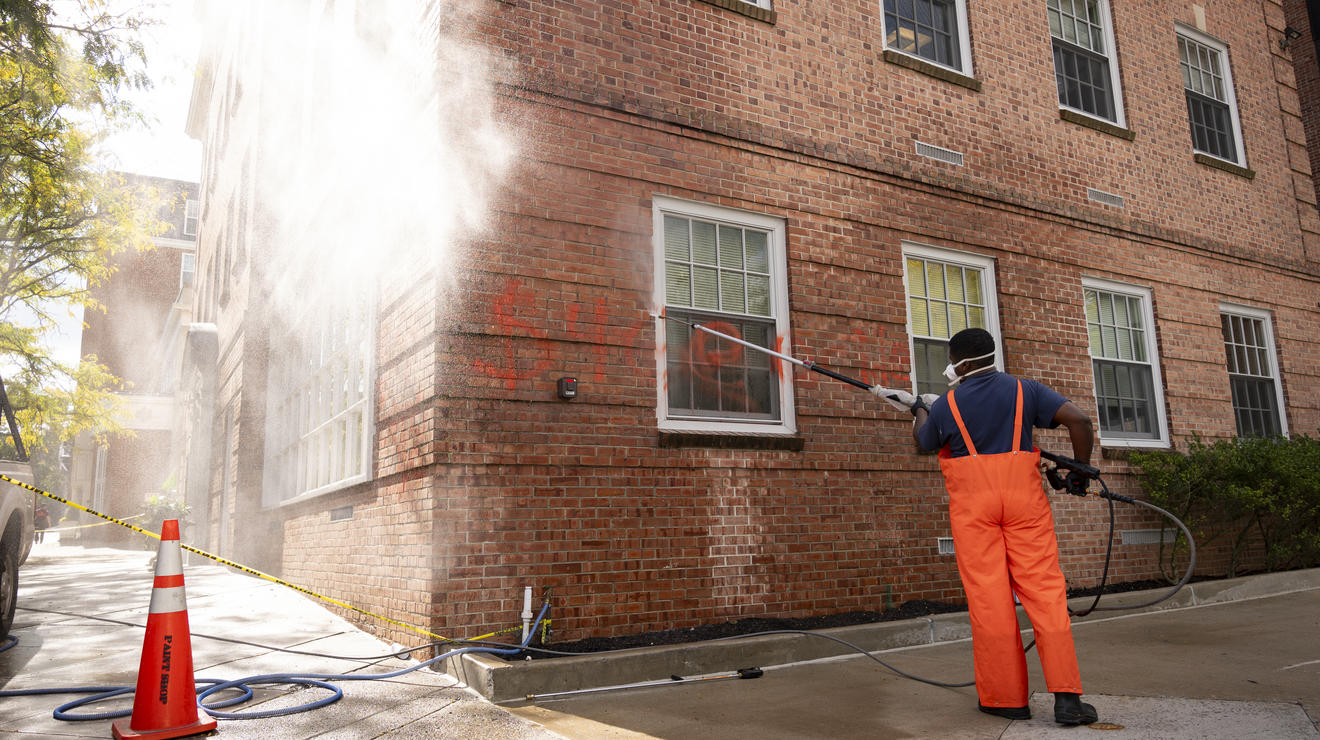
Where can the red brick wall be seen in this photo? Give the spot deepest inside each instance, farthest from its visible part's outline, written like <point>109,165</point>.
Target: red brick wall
<point>633,536</point>
<point>136,302</point>
<point>1303,52</point>
<point>485,482</point>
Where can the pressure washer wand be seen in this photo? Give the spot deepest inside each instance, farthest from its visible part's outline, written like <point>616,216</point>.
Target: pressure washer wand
<point>808,364</point>
<point>671,681</point>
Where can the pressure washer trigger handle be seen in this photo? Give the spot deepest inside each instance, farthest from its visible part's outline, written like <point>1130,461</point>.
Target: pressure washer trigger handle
<point>750,673</point>
<point>1056,482</point>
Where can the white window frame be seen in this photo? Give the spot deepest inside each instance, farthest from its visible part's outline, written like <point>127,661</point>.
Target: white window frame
<point>662,205</point>
<point>965,260</point>
<point>964,40</point>
<point>1152,354</point>
<point>1107,21</point>
<point>293,420</point>
<point>1267,321</point>
<point>759,3</point>
<point>1230,88</point>
<point>192,211</point>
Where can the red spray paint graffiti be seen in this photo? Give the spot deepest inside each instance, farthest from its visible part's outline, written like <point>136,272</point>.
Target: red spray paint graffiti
<point>587,327</point>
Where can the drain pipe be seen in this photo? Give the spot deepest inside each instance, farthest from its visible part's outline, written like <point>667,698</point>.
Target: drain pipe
<point>527,612</point>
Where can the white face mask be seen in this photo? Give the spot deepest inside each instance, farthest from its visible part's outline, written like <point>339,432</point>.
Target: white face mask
<point>954,378</point>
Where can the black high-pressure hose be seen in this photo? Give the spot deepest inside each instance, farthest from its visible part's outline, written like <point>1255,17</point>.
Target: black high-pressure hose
<point>1092,473</point>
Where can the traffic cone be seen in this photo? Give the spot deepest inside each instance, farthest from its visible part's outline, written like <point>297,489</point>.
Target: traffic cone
<point>165,704</point>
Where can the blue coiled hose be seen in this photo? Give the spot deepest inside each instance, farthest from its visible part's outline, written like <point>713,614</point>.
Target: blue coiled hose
<point>244,685</point>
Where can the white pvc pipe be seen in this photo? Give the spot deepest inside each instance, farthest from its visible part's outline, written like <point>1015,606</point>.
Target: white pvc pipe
<point>526,612</point>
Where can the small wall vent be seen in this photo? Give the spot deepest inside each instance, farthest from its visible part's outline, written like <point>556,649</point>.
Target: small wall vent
<point>1109,199</point>
<point>342,513</point>
<point>945,545</point>
<point>944,155</point>
<point>1147,536</point>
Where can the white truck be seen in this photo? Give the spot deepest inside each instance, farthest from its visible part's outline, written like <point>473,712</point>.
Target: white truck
<point>16,537</point>
<point>16,509</point>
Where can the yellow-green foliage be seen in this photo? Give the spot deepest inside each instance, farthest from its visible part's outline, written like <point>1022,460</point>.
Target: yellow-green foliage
<point>62,216</point>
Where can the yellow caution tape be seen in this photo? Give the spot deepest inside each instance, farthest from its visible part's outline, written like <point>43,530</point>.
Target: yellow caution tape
<point>224,561</point>
<point>87,526</point>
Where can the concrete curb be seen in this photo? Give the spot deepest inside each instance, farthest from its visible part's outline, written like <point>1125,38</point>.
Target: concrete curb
<point>501,681</point>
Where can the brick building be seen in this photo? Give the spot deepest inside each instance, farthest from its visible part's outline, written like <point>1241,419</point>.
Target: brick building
<point>1119,193</point>
<point>148,296</point>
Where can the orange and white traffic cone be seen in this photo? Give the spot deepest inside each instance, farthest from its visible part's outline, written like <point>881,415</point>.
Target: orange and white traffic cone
<point>165,704</point>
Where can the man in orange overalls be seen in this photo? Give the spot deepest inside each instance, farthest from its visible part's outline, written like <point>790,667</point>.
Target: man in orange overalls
<point>1003,531</point>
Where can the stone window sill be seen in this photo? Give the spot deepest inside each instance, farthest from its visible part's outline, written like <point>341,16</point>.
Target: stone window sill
<point>731,440</point>
<point>1220,164</point>
<point>1081,119</point>
<point>743,8</point>
<point>933,70</point>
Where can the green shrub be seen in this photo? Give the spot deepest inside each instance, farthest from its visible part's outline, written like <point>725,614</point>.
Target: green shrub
<point>1249,489</point>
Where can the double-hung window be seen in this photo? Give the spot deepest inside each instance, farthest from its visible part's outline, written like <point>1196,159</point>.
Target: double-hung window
<point>192,211</point>
<point>1128,389</point>
<point>934,30</point>
<point>723,269</point>
<point>947,292</point>
<point>187,269</point>
<point>1211,105</point>
<point>1085,65</point>
<point>319,426</point>
<point>1252,371</point>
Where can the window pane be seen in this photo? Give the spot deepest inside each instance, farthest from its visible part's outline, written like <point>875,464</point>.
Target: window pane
<point>935,280</point>
<point>929,356</point>
<point>677,245</point>
<point>732,294</point>
<point>678,284</point>
<point>704,249</point>
<point>953,276</point>
<point>920,319</point>
<point>758,251</point>
<point>758,295</point>
<point>705,288</point>
<point>916,272</point>
<point>973,278</point>
<point>731,251</point>
<point>957,319</point>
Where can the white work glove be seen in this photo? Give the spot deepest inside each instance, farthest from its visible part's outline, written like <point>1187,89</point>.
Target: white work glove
<point>929,399</point>
<point>901,400</point>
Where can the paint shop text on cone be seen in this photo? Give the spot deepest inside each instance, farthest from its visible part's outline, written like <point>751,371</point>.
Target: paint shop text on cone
<point>165,704</point>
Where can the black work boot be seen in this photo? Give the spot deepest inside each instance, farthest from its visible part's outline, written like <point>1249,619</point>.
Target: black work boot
<point>1006,712</point>
<point>1069,709</point>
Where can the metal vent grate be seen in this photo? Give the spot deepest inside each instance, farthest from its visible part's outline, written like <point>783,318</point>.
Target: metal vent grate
<point>1109,199</point>
<point>945,545</point>
<point>342,513</point>
<point>1147,536</point>
<point>944,155</point>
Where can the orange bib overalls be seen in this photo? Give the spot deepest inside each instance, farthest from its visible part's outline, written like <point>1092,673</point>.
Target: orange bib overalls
<point>1003,536</point>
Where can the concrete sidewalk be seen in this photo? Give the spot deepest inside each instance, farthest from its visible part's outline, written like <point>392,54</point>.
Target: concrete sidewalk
<point>69,649</point>
<point>1247,664</point>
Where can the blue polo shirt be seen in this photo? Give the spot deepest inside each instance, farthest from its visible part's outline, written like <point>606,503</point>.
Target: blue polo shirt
<point>986,402</point>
